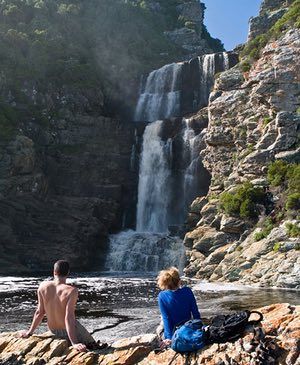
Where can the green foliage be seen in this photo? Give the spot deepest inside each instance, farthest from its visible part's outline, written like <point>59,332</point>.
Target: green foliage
<point>276,247</point>
<point>291,18</point>
<point>252,49</point>
<point>85,45</point>
<point>243,201</point>
<point>281,173</point>
<point>266,229</point>
<point>245,66</point>
<point>293,230</point>
<point>293,202</point>
<point>277,172</point>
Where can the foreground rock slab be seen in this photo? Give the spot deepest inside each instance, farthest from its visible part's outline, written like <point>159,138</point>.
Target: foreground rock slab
<point>276,342</point>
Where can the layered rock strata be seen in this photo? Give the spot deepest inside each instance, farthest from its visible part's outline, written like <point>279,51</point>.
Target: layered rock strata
<point>253,120</point>
<point>63,189</point>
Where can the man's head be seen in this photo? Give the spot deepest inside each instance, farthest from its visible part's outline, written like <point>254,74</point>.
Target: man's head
<point>61,268</point>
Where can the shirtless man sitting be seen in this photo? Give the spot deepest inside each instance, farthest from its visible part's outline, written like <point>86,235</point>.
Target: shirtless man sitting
<point>57,300</point>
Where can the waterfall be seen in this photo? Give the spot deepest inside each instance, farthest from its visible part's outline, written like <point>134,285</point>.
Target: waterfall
<point>180,88</point>
<point>161,97</point>
<point>133,251</point>
<point>171,173</point>
<point>191,150</point>
<point>154,181</point>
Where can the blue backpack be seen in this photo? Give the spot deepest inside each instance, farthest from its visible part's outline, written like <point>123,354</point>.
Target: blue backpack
<point>190,337</point>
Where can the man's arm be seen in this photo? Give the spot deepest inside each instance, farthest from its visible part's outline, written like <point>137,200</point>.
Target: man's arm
<point>37,317</point>
<point>70,320</point>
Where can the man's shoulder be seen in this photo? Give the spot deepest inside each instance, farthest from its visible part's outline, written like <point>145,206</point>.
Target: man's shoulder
<point>45,284</point>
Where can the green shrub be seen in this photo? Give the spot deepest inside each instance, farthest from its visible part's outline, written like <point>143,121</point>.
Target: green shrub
<point>293,177</point>
<point>243,201</point>
<point>277,172</point>
<point>291,18</point>
<point>245,66</point>
<point>293,201</point>
<point>293,230</point>
<point>266,229</point>
<point>285,174</point>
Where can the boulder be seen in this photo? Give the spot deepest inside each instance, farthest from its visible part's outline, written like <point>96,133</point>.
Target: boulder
<point>232,225</point>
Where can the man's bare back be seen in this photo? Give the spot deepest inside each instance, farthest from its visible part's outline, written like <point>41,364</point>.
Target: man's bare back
<point>57,301</point>
<point>55,297</point>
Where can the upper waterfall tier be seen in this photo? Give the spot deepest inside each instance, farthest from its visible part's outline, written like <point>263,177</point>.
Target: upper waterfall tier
<point>180,88</point>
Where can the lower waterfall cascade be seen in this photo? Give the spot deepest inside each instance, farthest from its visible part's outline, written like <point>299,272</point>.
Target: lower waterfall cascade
<point>171,174</point>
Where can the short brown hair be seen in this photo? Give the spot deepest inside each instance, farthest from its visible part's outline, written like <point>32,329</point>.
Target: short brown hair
<point>62,268</point>
<point>168,279</point>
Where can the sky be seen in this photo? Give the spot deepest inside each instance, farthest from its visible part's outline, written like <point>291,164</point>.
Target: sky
<point>228,19</point>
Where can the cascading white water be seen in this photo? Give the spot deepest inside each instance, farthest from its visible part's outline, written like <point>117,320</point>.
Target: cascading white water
<point>161,96</point>
<point>191,151</point>
<point>144,252</point>
<point>153,190</point>
<point>150,248</point>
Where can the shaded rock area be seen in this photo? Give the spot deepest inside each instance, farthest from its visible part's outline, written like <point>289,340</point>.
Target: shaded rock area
<point>277,341</point>
<point>63,189</point>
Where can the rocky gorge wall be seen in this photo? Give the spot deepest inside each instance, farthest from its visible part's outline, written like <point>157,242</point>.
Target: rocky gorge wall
<point>68,148</point>
<point>253,121</point>
<point>63,189</point>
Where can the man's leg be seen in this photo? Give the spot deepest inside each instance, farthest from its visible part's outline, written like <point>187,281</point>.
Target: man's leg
<point>83,336</point>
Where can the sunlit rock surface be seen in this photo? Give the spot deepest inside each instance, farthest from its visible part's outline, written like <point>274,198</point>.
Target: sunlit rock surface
<point>278,342</point>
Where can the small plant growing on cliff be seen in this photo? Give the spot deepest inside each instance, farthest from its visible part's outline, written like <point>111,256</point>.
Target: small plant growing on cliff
<point>243,201</point>
<point>267,120</point>
<point>266,230</point>
<point>277,172</point>
<point>281,173</point>
<point>277,247</point>
<point>245,66</point>
<point>293,202</point>
<point>293,230</point>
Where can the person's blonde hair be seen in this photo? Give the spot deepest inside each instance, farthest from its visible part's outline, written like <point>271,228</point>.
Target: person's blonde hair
<point>168,279</point>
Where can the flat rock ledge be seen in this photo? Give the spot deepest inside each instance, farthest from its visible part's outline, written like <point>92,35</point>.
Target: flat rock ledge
<point>276,342</point>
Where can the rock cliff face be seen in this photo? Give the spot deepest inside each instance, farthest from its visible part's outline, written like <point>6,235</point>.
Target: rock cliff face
<point>276,342</point>
<point>68,153</point>
<point>253,121</point>
<point>270,12</point>
<point>63,189</point>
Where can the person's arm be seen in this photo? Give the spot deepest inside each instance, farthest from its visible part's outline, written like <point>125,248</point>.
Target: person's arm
<point>70,320</point>
<point>168,326</point>
<point>37,317</point>
<point>194,307</point>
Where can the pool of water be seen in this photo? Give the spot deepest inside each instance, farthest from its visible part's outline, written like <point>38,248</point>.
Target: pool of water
<point>113,306</point>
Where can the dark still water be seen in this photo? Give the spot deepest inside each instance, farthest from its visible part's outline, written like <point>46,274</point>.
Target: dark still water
<point>114,306</point>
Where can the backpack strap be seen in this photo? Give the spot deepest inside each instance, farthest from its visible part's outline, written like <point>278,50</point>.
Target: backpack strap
<point>257,321</point>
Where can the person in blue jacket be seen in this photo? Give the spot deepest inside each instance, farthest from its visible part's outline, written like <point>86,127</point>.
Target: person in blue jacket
<point>177,303</point>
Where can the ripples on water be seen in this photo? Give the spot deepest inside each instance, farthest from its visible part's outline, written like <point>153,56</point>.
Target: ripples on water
<point>114,306</point>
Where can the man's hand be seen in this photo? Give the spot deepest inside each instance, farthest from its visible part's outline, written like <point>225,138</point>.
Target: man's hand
<point>165,343</point>
<point>24,334</point>
<point>80,347</point>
